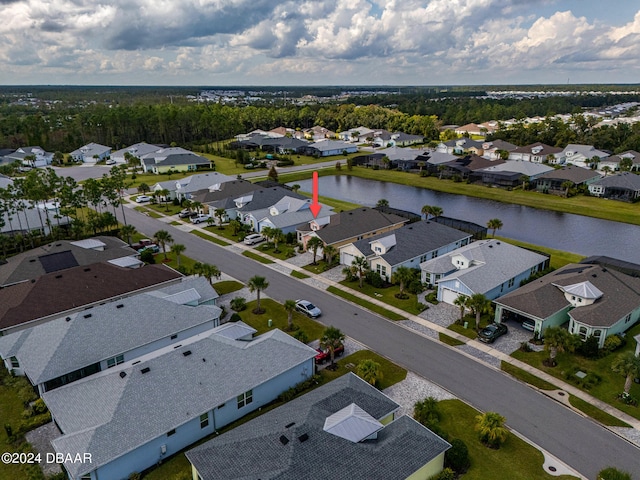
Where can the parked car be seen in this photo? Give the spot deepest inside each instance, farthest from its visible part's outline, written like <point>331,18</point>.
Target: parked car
<point>492,331</point>
<point>110,161</point>
<point>253,238</point>
<point>145,242</point>
<point>143,198</point>
<point>324,356</point>
<point>153,248</point>
<point>186,213</point>
<point>200,217</point>
<point>529,324</point>
<point>308,308</point>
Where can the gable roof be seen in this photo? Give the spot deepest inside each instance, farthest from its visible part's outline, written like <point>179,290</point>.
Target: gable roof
<point>464,143</point>
<point>625,180</point>
<point>136,407</point>
<point>356,222</point>
<point>413,240</point>
<point>137,150</point>
<point>267,197</point>
<point>329,145</point>
<point>571,173</point>
<point>530,169</point>
<point>228,190</point>
<point>56,293</point>
<point>91,149</point>
<point>543,297</point>
<point>538,148</point>
<point>290,441</point>
<point>588,151</point>
<point>176,159</point>
<point>64,345</point>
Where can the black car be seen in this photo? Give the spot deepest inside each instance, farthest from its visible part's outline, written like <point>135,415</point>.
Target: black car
<point>492,331</point>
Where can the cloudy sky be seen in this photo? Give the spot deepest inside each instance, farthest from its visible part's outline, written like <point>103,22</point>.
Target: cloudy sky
<point>319,42</point>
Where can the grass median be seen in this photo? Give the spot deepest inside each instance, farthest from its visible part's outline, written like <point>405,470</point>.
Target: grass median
<point>364,303</point>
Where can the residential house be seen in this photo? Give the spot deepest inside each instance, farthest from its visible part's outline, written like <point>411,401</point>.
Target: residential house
<point>174,159</point>
<point>67,349</point>
<point>553,181</point>
<point>614,161</point>
<point>27,219</point>
<point>478,130</point>
<point>91,153</point>
<point>536,152</point>
<point>62,254</point>
<point>350,226</point>
<point>460,146</point>
<point>593,299</point>
<point>624,186</point>
<point>184,188</point>
<point>395,157</point>
<point>284,131</point>
<point>346,428</point>
<point>492,149</point>
<point>356,135</point>
<point>5,181</point>
<point>286,214</point>
<point>401,139</point>
<point>317,132</point>
<point>30,157</point>
<point>585,156</point>
<point>327,148</point>
<point>230,196</point>
<point>138,150</point>
<point>281,145</point>
<point>511,173</point>
<point>490,267</point>
<point>57,294</point>
<point>436,161</point>
<point>464,167</point>
<point>168,399</point>
<point>407,246</point>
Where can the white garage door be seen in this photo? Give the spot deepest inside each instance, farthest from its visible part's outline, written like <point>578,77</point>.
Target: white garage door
<point>449,296</point>
<point>346,258</point>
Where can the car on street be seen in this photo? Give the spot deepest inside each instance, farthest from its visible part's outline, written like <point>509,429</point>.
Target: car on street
<point>253,238</point>
<point>308,308</point>
<point>324,355</point>
<point>110,161</point>
<point>200,217</point>
<point>492,331</point>
<point>143,198</point>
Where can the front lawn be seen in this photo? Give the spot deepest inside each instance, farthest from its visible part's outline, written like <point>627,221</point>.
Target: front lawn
<point>284,251</point>
<point>470,330</point>
<point>391,373</point>
<point>601,381</point>
<point>319,267</point>
<point>227,286</point>
<point>225,232</point>
<point>278,316</point>
<point>366,304</point>
<point>387,295</point>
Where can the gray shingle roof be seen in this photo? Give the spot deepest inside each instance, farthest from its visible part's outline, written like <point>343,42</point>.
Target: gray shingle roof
<point>267,197</point>
<point>626,180</point>
<point>59,347</point>
<point>139,407</point>
<point>356,222</point>
<point>255,450</point>
<point>413,240</point>
<point>542,298</point>
<point>228,191</point>
<point>177,159</point>
<point>572,173</point>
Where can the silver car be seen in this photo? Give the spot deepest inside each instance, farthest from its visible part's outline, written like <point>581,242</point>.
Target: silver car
<point>308,308</point>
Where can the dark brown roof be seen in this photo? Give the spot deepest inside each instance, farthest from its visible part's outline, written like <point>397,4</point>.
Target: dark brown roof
<point>353,223</point>
<point>572,173</point>
<point>546,149</point>
<point>73,288</point>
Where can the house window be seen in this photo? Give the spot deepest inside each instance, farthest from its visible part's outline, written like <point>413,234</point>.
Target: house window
<point>434,254</point>
<point>112,362</point>
<point>597,334</point>
<point>583,333</point>
<point>15,363</point>
<point>627,319</point>
<point>245,398</point>
<point>423,258</point>
<point>382,270</point>
<point>204,420</point>
<point>511,282</point>
<point>171,432</point>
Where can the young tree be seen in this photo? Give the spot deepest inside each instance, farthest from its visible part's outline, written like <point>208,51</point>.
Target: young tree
<point>566,186</point>
<point>207,270</point>
<point>331,339</point>
<point>628,365</point>
<point>461,302</point>
<point>277,236</point>
<point>361,267</point>
<point>403,276</point>
<point>383,202</point>
<point>295,187</point>
<point>479,304</point>
<point>143,188</point>
<point>313,244</point>
<point>558,340</point>
<point>426,412</point>
<point>329,253</point>
<point>273,174</point>
<point>162,238</point>
<point>491,429</point>
<point>219,213</point>
<point>494,224</point>
<point>257,284</point>
<point>370,371</point>
<point>290,307</point>
<point>178,249</point>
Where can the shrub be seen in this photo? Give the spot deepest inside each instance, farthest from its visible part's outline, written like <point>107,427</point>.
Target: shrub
<point>415,287</point>
<point>421,307</point>
<point>235,318</point>
<point>374,279</point>
<point>432,298</point>
<point>427,412</point>
<point>457,457</point>
<point>147,257</point>
<point>613,343</point>
<point>611,473</point>
<point>39,406</point>
<point>590,380</point>
<point>525,347</point>
<point>589,348</point>
<point>301,336</point>
<point>446,474</point>
<point>238,304</point>
<point>628,399</point>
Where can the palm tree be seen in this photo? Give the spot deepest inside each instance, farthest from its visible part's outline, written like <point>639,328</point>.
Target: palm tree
<point>295,187</point>
<point>558,340</point>
<point>479,304</point>
<point>461,301</point>
<point>162,238</point>
<point>219,213</point>
<point>235,226</point>
<point>566,185</point>
<point>490,426</point>
<point>360,266</point>
<point>370,371</point>
<point>432,210</point>
<point>178,249</point>
<point>257,284</point>
<point>606,169</point>
<point>403,275</point>
<point>128,231</point>
<point>426,412</point>
<point>494,224</point>
<point>329,252</point>
<point>207,270</point>
<point>314,243</point>
<point>290,307</point>
<point>383,202</point>
<point>276,236</point>
<point>331,339</point>
<point>525,181</point>
<point>143,188</point>
<point>267,233</point>
<point>628,365</point>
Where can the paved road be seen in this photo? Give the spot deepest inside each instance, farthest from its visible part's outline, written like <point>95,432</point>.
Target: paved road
<point>577,441</point>
<point>81,172</point>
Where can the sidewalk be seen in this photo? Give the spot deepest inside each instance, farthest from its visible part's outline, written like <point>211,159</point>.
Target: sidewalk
<point>432,330</point>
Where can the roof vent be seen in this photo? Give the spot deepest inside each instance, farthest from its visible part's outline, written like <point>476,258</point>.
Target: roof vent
<point>87,269</point>
<point>284,440</point>
<point>594,275</point>
<point>58,244</point>
<point>88,315</point>
<point>123,374</point>
<point>145,370</point>
<point>33,280</point>
<point>187,353</point>
<point>304,437</point>
<point>32,260</point>
<point>289,425</point>
<point>120,305</point>
<point>59,276</point>
<point>68,319</point>
<point>490,246</point>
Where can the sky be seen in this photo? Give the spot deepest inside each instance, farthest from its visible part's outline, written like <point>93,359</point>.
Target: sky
<point>319,42</point>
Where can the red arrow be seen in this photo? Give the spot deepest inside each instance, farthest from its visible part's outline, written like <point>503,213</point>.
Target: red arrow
<point>315,206</point>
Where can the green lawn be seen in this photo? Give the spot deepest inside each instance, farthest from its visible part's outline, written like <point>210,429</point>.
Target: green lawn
<point>515,460</point>
<point>319,267</point>
<point>278,316</point>
<point>148,211</point>
<point>366,304</point>
<point>227,286</point>
<point>165,209</point>
<point>256,257</point>
<point>284,251</point>
<point>391,373</point>
<point>596,413</point>
<point>225,232</point>
<point>386,295</point>
<point>454,342</point>
<point>470,331</point>
<point>338,205</point>
<point>211,238</point>
<point>526,377</point>
<point>611,383</point>
<point>297,274</point>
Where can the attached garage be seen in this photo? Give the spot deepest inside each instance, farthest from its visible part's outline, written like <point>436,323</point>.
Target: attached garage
<point>449,296</point>
<point>346,258</point>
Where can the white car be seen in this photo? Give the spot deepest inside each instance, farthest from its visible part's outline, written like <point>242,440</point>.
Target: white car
<point>143,198</point>
<point>308,308</point>
<point>201,217</point>
<point>110,161</point>
<point>253,238</point>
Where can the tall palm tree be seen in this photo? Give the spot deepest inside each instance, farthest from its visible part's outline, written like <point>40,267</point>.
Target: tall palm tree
<point>479,304</point>
<point>370,371</point>
<point>267,233</point>
<point>494,224</point>
<point>313,244</point>
<point>277,236</point>
<point>628,365</point>
<point>490,426</point>
<point>461,302</point>
<point>361,267</point>
<point>331,339</point>
<point>403,276</point>
<point>128,231</point>
<point>329,253</point>
<point>606,169</point>
<point>257,284</point>
<point>236,226</point>
<point>178,249</point>
<point>290,307</point>
<point>219,213</point>
<point>206,270</point>
<point>566,186</point>
<point>162,238</point>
